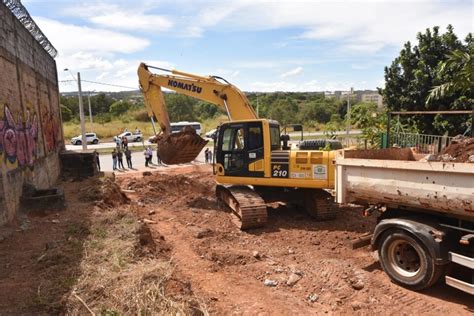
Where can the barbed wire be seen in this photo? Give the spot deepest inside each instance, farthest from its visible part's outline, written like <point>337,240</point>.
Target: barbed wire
<point>22,15</point>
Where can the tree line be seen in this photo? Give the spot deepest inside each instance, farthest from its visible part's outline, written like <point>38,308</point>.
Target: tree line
<point>435,74</point>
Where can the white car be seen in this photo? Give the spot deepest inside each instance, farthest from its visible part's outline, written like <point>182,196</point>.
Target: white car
<point>212,133</point>
<point>91,138</point>
<point>131,137</point>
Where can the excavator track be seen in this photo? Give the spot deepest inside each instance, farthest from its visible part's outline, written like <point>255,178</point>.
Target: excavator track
<point>248,208</point>
<point>320,205</point>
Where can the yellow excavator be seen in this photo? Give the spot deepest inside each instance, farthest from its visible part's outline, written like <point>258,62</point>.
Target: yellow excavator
<point>253,164</point>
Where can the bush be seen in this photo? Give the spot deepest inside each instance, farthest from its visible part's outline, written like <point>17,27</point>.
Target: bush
<point>141,116</point>
<point>66,113</point>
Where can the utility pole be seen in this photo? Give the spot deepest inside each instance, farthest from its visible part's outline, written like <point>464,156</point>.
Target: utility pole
<point>257,104</point>
<point>90,111</point>
<point>349,112</point>
<point>81,112</point>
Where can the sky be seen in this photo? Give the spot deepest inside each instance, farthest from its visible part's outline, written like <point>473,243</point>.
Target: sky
<point>257,45</point>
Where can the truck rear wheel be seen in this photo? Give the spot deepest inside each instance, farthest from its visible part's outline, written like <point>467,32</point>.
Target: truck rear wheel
<point>407,262</point>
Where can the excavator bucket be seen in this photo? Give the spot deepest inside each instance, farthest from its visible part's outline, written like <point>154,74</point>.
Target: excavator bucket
<point>180,147</point>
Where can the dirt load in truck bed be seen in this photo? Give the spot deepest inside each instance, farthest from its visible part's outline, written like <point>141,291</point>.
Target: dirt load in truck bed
<point>459,150</point>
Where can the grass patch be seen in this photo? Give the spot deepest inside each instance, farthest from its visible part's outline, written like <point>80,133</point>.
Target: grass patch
<point>116,278</point>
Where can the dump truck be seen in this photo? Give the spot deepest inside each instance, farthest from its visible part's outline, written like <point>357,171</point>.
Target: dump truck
<point>425,229</point>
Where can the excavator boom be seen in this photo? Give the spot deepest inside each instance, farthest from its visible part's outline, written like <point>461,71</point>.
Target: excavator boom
<point>182,147</point>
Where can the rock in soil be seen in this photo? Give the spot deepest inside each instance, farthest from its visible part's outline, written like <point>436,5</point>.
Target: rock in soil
<point>269,282</point>
<point>357,305</point>
<point>293,279</point>
<point>256,254</point>
<point>357,284</point>
<point>206,232</point>
<point>313,298</point>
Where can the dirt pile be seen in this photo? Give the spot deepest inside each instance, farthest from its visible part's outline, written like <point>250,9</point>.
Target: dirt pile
<point>103,191</point>
<point>174,190</point>
<point>460,149</point>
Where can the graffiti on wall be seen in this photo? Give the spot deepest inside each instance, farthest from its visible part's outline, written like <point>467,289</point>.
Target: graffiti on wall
<point>18,139</point>
<point>50,131</point>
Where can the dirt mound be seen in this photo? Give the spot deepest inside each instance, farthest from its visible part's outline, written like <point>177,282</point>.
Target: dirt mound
<point>174,190</point>
<point>459,150</point>
<point>103,191</point>
<point>151,246</point>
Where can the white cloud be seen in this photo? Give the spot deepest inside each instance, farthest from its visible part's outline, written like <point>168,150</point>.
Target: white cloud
<point>292,73</point>
<point>131,21</point>
<point>361,26</point>
<point>293,86</point>
<point>120,72</point>
<point>70,38</point>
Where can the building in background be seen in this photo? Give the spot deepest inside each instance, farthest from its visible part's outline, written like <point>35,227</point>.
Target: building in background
<point>374,97</point>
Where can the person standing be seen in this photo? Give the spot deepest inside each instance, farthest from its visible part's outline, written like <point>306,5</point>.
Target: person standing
<point>128,156</point>
<point>96,158</point>
<point>206,157</point>
<point>209,156</point>
<point>124,142</point>
<point>114,159</point>
<point>150,155</point>
<point>147,156</point>
<point>120,159</point>
<point>158,159</point>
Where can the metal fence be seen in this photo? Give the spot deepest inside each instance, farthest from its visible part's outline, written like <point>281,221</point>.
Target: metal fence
<point>429,144</point>
<point>24,17</point>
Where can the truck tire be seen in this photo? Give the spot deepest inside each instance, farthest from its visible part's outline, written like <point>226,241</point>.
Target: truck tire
<point>406,260</point>
<point>95,142</point>
<point>138,139</point>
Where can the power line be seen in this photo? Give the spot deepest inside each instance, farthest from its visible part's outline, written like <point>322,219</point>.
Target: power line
<point>101,83</point>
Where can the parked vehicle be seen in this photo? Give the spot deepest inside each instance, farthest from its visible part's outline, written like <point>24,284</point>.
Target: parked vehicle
<point>131,137</point>
<point>91,138</point>
<point>426,227</point>
<point>212,134</point>
<point>178,126</point>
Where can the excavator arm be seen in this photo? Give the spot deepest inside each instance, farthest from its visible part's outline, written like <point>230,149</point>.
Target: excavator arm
<point>185,146</point>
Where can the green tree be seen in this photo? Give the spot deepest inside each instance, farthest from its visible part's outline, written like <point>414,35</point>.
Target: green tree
<point>411,76</point>
<point>180,107</point>
<point>119,107</point>
<point>457,73</point>
<point>372,123</point>
<point>66,113</point>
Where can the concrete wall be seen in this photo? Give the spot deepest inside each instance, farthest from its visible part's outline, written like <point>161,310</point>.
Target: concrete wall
<point>30,123</point>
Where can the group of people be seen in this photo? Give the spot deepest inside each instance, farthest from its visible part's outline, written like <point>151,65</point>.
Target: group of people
<point>149,157</point>
<point>117,158</point>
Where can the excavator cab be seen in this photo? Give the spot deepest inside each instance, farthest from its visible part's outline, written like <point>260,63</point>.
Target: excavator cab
<point>242,147</point>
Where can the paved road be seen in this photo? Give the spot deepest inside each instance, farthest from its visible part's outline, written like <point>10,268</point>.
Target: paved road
<point>103,145</point>
<point>112,144</point>
<point>138,162</point>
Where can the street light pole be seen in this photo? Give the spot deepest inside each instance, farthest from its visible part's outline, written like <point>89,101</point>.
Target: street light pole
<point>90,111</point>
<point>81,112</point>
<point>348,130</point>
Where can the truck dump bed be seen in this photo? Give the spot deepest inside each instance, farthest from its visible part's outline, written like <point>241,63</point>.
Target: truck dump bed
<point>395,177</point>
